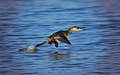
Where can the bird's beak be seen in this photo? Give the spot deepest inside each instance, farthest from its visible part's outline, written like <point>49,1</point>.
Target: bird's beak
<point>81,29</point>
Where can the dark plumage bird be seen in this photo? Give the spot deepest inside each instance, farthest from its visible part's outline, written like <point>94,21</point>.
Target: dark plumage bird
<point>60,36</point>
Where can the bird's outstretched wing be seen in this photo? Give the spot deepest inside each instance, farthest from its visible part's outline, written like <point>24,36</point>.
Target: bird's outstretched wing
<point>64,39</point>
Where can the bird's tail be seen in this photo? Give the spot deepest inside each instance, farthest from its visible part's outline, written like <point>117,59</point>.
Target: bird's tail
<point>40,44</point>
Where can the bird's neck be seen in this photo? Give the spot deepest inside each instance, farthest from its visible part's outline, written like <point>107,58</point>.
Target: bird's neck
<point>68,31</point>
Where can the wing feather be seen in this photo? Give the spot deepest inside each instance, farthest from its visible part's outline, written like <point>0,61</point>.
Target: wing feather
<point>64,39</point>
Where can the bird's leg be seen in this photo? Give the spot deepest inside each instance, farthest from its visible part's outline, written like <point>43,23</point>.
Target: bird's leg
<point>56,44</point>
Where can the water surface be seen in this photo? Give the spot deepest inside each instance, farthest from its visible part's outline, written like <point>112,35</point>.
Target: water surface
<point>94,51</point>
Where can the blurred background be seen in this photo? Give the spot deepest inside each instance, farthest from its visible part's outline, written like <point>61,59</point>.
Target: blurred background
<point>94,51</point>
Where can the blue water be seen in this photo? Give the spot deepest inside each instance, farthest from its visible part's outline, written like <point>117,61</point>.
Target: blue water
<point>94,51</point>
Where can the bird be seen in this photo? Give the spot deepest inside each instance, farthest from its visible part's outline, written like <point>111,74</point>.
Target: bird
<point>60,36</point>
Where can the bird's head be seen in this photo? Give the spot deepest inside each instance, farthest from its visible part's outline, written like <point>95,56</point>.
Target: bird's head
<point>76,28</point>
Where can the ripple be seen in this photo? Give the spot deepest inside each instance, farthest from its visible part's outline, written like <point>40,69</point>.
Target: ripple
<point>94,51</point>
